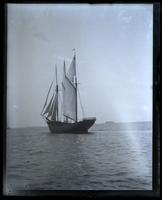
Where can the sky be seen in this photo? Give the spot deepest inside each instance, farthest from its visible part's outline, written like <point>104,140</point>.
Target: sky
<point>114,59</point>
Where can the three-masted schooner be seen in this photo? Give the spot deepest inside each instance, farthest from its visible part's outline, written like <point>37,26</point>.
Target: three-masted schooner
<point>50,112</point>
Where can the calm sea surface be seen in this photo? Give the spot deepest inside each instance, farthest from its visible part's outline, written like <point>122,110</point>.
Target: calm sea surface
<point>99,160</point>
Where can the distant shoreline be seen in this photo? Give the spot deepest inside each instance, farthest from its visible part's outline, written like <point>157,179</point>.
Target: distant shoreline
<point>110,125</point>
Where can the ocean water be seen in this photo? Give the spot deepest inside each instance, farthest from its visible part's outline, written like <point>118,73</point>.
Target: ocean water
<point>98,160</point>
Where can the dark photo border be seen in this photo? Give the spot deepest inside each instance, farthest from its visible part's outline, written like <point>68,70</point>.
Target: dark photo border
<point>155,192</point>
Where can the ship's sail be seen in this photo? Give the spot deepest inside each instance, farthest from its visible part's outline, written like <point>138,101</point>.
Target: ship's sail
<point>48,108</point>
<point>54,115</point>
<point>47,97</point>
<point>51,110</point>
<point>69,89</point>
<point>71,74</point>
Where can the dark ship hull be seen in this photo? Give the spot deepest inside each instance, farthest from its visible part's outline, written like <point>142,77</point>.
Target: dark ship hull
<point>77,127</point>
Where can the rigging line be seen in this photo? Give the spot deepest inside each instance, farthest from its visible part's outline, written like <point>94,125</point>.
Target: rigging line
<point>81,104</point>
<point>70,82</point>
<point>70,118</point>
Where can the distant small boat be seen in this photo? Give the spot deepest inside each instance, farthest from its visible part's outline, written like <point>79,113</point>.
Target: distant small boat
<point>51,112</point>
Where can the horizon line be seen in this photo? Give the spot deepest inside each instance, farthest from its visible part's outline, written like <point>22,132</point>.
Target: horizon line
<point>94,124</point>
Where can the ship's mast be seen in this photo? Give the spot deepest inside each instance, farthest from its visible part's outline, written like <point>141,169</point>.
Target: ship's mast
<point>57,113</point>
<point>76,85</point>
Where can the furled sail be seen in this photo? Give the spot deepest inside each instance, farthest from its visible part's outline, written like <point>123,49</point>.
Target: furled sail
<point>70,92</point>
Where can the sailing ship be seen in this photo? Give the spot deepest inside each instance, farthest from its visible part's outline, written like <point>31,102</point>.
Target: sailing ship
<point>67,120</point>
